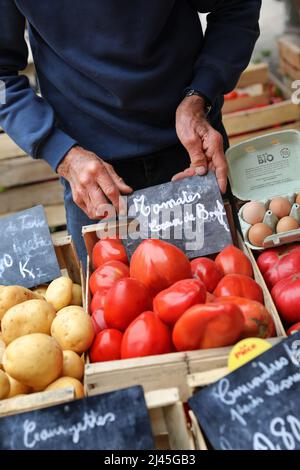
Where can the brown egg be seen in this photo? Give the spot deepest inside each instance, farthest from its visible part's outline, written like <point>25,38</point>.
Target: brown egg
<point>254,212</point>
<point>286,224</point>
<point>258,233</point>
<point>297,201</point>
<point>280,206</point>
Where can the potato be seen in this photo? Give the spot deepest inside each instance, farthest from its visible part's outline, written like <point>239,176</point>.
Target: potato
<point>13,295</point>
<point>73,331</point>
<point>4,385</point>
<point>76,295</point>
<point>2,349</point>
<point>35,360</point>
<point>16,388</point>
<point>40,290</point>
<point>59,292</point>
<point>65,382</point>
<point>73,365</point>
<point>71,309</point>
<point>32,316</point>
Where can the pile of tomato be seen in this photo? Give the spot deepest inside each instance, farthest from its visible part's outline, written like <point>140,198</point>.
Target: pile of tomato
<point>161,302</point>
<point>281,270</point>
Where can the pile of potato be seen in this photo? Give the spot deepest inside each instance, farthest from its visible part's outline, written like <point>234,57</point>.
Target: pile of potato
<point>44,333</point>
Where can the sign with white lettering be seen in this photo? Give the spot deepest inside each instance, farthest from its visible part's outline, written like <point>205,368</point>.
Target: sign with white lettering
<point>256,407</point>
<point>27,255</point>
<point>188,213</point>
<point>112,421</point>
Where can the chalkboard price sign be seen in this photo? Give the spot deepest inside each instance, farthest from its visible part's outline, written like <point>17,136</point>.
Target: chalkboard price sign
<point>27,255</point>
<point>113,421</point>
<point>188,213</point>
<point>256,407</point>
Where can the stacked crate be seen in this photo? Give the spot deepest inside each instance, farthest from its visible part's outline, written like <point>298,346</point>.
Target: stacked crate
<point>289,53</point>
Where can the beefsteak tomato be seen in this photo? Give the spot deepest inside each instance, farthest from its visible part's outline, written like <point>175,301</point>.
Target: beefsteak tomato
<point>98,321</point>
<point>258,321</point>
<point>293,329</point>
<point>277,264</point>
<point>238,285</point>
<point>108,249</point>
<point>127,299</point>
<point>286,295</point>
<point>147,335</point>
<point>232,260</point>
<point>207,271</point>
<point>106,346</point>
<point>98,300</point>
<point>106,275</point>
<point>208,326</point>
<point>171,303</point>
<point>158,265</point>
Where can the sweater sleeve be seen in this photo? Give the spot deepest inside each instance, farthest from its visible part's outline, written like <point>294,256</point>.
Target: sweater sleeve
<point>27,118</point>
<point>230,37</point>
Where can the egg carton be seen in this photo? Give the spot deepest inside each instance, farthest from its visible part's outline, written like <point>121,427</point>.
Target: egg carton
<point>272,220</point>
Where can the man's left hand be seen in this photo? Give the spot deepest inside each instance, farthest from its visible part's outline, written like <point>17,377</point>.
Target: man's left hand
<point>203,143</point>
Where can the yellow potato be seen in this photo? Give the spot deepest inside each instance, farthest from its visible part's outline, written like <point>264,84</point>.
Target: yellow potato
<point>35,360</point>
<point>71,309</point>
<point>65,382</point>
<point>4,385</point>
<point>73,330</point>
<point>13,295</point>
<point>73,365</point>
<point>40,290</point>
<point>76,295</point>
<point>16,388</point>
<point>59,292</point>
<point>32,316</point>
<point>2,349</point>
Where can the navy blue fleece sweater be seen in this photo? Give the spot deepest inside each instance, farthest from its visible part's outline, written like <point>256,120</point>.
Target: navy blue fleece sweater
<point>112,72</point>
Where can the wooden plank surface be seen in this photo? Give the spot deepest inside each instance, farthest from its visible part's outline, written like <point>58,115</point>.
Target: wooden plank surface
<point>237,104</point>
<point>289,49</point>
<point>24,170</point>
<point>241,138</point>
<point>288,69</point>
<point>8,149</point>
<point>254,73</point>
<point>56,215</point>
<point>261,118</point>
<point>24,197</point>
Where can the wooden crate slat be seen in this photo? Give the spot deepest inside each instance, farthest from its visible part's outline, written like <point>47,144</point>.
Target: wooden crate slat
<point>289,49</point>
<point>24,170</point>
<point>254,73</point>
<point>237,104</point>
<point>241,138</point>
<point>288,69</point>
<point>263,118</point>
<point>24,197</point>
<point>8,149</point>
<point>65,252</point>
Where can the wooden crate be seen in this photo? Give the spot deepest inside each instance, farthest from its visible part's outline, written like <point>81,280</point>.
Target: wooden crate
<point>26,182</point>
<point>246,123</point>
<point>169,370</point>
<point>289,52</point>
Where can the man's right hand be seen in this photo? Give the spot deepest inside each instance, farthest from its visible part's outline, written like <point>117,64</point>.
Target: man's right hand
<point>94,183</point>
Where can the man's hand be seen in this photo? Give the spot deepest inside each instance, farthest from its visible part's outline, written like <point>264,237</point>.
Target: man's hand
<point>203,143</point>
<point>94,183</point>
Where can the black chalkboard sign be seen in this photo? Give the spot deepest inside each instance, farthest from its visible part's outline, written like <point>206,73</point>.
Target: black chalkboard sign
<point>112,421</point>
<point>188,213</point>
<point>256,407</point>
<point>27,255</point>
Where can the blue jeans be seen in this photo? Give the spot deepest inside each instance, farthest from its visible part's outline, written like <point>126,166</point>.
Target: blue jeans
<point>139,173</point>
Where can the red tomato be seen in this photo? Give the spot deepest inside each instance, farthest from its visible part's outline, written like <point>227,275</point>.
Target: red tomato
<point>106,275</point>
<point>238,285</point>
<point>277,264</point>
<point>232,95</point>
<point>108,249</point>
<point>127,299</point>
<point>158,265</point>
<point>207,271</point>
<point>293,329</point>
<point>106,346</point>
<point>231,260</point>
<point>98,300</point>
<point>286,295</point>
<point>258,321</point>
<point>147,335</point>
<point>208,326</point>
<point>209,297</point>
<point>171,303</point>
<point>98,321</point>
